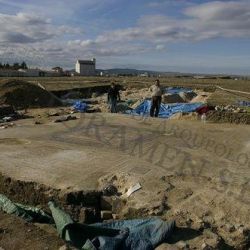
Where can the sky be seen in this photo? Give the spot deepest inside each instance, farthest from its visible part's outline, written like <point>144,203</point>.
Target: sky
<point>191,36</point>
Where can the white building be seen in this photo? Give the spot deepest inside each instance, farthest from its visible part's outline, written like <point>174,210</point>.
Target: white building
<point>86,67</point>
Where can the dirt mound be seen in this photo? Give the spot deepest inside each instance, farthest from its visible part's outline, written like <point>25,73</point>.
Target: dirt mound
<point>193,116</point>
<point>82,206</point>
<point>172,98</point>
<point>222,116</point>
<point>135,94</point>
<point>201,97</point>
<point>18,234</point>
<point>21,94</point>
<point>187,96</point>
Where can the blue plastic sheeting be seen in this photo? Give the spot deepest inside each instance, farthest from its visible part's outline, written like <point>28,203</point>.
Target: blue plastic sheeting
<point>73,101</point>
<point>243,103</point>
<point>139,234</point>
<point>80,106</point>
<point>136,234</point>
<point>166,110</point>
<point>177,90</point>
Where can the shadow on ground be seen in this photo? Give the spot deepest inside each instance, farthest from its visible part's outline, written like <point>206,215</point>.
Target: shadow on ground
<point>183,234</point>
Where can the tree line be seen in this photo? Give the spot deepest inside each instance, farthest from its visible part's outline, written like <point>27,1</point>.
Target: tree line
<point>14,66</point>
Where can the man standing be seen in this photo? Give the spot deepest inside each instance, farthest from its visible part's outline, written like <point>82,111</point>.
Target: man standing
<point>113,95</point>
<point>156,98</point>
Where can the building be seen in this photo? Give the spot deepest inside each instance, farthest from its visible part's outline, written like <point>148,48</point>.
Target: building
<point>57,70</point>
<point>10,73</point>
<point>51,73</point>
<point>146,74</point>
<point>40,73</point>
<point>86,67</point>
<point>32,72</point>
<point>21,73</point>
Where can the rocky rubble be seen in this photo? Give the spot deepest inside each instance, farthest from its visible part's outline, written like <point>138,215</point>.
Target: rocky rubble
<point>230,108</point>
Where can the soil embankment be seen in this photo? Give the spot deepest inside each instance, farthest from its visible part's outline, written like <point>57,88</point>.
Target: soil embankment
<point>21,94</point>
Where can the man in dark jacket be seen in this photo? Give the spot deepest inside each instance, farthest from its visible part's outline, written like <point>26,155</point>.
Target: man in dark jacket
<point>113,95</point>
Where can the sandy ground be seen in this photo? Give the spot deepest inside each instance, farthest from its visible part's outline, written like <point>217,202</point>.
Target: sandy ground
<point>16,234</point>
<point>195,173</point>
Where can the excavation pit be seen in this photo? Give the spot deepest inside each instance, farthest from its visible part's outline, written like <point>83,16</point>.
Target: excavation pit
<point>186,169</point>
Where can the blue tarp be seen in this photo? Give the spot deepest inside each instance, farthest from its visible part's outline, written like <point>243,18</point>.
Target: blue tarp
<point>140,234</point>
<point>244,103</point>
<point>137,234</point>
<point>177,90</point>
<point>166,110</point>
<point>80,106</point>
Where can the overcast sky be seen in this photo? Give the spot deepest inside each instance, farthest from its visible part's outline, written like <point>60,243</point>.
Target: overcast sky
<point>164,35</point>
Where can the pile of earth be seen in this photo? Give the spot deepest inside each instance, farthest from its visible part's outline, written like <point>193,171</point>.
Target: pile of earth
<point>228,117</point>
<point>182,97</point>
<point>172,98</point>
<point>22,94</point>
<point>144,93</point>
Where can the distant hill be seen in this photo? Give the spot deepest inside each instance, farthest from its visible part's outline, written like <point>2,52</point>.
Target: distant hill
<point>119,71</point>
<point>136,72</point>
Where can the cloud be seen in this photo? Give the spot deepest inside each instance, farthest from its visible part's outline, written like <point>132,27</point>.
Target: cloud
<point>29,28</point>
<point>105,48</point>
<point>200,22</point>
<point>25,28</point>
<point>161,3</point>
<point>29,34</point>
<point>57,9</point>
<point>13,37</point>
<point>219,19</point>
<point>160,47</point>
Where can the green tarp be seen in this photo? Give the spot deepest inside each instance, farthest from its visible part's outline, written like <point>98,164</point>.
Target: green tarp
<point>31,214</point>
<point>141,234</point>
